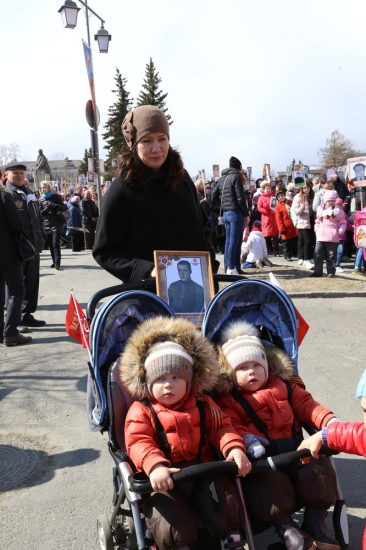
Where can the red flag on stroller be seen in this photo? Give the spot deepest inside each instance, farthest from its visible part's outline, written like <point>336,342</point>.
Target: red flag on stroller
<point>302,326</point>
<point>75,322</point>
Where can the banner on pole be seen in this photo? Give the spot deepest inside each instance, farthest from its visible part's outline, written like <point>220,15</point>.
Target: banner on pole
<point>90,72</point>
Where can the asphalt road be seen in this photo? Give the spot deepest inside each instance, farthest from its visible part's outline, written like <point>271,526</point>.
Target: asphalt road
<point>61,479</point>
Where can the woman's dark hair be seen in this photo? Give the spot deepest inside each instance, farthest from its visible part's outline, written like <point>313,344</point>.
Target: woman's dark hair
<point>310,196</point>
<point>134,172</point>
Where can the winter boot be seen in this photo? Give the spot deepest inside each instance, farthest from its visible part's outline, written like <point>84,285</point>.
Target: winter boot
<point>292,537</point>
<point>233,541</point>
<point>315,523</point>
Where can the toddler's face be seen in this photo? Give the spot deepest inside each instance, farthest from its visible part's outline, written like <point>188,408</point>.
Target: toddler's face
<point>169,389</point>
<point>329,204</point>
<point>250,376</point>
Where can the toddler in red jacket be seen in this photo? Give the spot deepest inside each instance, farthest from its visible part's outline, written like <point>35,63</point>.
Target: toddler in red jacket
<point>267,407</point>
<point>167,365</point>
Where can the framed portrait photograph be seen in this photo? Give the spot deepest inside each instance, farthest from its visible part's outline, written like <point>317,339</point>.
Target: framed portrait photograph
<point>298,178</point>
<point>184,280</point>
<point>215,170</point>
<point>330,171</point>
<point>90,177</point>
<point>356,171</point>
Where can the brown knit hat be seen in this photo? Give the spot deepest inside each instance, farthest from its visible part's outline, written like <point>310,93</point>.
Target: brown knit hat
<point>142,121</point>
<point>168,357</point>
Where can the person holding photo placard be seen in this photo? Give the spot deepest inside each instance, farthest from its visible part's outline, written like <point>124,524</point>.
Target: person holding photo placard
<point>152,205</point>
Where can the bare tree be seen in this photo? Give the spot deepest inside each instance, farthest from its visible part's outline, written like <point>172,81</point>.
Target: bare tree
<point>337,150</point>
<point>8,153</point>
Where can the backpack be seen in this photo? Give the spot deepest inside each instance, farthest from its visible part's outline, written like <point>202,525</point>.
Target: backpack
<point>359,231</point>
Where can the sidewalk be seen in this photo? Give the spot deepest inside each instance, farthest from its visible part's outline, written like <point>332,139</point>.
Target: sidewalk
<point>296,282</point>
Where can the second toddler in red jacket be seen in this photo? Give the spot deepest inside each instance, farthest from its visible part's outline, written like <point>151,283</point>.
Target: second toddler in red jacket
<point>267,408</point>
<point>167,364</point>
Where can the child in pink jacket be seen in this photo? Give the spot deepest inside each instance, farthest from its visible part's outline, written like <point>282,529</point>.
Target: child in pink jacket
<point>330,225</point>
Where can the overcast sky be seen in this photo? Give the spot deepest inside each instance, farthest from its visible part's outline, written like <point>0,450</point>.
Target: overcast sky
<point>265,81</point>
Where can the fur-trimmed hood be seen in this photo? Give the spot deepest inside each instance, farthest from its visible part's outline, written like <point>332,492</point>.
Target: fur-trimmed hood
<point>159,329</point>
<point>279,364</point>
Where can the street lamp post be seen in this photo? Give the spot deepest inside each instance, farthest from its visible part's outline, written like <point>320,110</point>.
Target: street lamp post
<point>69,13</point>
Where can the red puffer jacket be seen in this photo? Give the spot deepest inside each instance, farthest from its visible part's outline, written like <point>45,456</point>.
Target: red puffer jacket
<point>273,407</point>
<point>182,428</point>
<point>284,222</point>
<point>347,437</point>
<point>268,219</point>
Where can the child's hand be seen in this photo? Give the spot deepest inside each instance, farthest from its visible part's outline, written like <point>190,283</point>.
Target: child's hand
<point>241,460</point>
<point>313,443</point>
<point>160,478</point>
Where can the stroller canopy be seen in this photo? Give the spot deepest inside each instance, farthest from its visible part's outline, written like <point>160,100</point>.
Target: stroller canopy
<point>259,303</point>
<point>110,329</point>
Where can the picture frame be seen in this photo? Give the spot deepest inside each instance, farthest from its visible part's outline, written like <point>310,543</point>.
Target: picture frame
<point>330,172</point>
<point>356,171</point>
<point>298,178</point>
<point>215,170</point>
<point>184,280</point>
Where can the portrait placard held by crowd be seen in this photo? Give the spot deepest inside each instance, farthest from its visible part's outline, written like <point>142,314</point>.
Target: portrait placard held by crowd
<point>356,172</point>
<point>151,205</point>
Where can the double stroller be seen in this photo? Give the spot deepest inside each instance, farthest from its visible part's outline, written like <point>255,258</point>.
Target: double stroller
<point>257,302</point>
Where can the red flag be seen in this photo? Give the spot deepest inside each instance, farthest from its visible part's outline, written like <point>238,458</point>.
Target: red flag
<point>302,327</point>
<point>76,324</point>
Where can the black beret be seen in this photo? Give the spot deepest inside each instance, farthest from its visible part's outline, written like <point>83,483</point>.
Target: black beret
<point>14,165</point>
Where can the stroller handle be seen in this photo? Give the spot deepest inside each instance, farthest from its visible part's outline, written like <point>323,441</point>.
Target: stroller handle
<point>148,284</point>
<point>140,483</point>
<point>144,284</point>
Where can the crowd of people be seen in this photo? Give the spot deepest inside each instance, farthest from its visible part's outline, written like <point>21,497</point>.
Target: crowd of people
<point>37,218</point>
<point>310,222</point>
<point>153,204</point>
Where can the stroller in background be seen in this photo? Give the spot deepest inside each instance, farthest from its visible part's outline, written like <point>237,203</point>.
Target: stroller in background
<point>258,302</point>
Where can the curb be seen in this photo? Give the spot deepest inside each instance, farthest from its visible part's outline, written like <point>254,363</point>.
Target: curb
<point>329,294</point>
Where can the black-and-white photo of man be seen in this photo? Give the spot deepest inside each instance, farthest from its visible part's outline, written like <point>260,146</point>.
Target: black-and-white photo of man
<point>185,295</point>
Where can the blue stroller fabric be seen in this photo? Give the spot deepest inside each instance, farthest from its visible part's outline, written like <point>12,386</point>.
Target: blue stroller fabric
<point>110,329</point>
<point>259,303</point>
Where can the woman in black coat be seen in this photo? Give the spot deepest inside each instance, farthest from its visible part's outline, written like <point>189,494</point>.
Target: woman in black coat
<point>151,206</point>
<point>11,272</point>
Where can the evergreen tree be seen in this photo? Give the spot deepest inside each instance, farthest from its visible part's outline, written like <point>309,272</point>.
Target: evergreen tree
<point>116,113</point>
<point>150,93</point>
<point>83,168</point>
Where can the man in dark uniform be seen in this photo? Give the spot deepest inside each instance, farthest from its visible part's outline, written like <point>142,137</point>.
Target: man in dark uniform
<point>29,209</point>
<point>185,295</point>
<point>11,272</point>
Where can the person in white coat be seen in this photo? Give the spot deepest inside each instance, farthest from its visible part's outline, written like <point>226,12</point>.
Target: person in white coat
<point>255,249</point>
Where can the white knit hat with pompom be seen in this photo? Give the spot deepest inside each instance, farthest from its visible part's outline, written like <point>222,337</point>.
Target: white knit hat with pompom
<point>242,344</point>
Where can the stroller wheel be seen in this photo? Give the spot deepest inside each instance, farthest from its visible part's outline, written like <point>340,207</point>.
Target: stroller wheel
<point>105,533</point>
